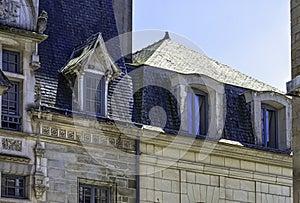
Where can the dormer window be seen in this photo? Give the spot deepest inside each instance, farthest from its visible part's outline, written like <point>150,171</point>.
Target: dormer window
<point>90,70</point>
<point>269,126</point>
<point>271,119</point>
<point>94,94</point>
<point>197,112</point>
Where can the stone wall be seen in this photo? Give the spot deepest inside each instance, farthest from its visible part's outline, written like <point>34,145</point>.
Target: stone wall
<point>207,171</point>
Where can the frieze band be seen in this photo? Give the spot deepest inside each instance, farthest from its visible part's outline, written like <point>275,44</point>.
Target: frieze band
<point>11,144</point>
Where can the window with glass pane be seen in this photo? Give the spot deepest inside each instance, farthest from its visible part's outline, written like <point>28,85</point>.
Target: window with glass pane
<point>93,194</point>
<point>11,61</point>
<point>10,117</point>
<point>13,186</point>
<point>269,126</point>
<point>197,112</point>
<point>94,94</point>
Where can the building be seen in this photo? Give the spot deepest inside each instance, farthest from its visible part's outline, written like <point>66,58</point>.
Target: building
<point>79,124</point>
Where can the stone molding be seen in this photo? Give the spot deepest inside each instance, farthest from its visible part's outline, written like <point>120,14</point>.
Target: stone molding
<point>97,138</point>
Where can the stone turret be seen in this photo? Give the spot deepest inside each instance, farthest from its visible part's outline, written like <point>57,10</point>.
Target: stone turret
<point>295,48</point>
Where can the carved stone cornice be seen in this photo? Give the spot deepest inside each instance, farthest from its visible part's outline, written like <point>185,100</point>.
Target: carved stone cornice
<point>14,158</point>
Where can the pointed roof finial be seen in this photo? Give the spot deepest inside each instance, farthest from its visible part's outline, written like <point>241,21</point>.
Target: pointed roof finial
<point>167,36</point>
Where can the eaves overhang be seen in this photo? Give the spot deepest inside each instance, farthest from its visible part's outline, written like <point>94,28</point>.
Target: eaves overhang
<point>16,33</point>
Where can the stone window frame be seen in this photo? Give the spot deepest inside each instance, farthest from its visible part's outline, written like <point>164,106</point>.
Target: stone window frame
<point>215,90</point>
<point>283,106</point>
<point>266,134</point>
<point>25,187</point>
<point>192,95</point>
<point>111,187</point>
<point>15,77</point>
<point>80,91</point>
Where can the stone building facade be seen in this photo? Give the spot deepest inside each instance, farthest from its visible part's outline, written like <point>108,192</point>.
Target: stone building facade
<point>81,122</point>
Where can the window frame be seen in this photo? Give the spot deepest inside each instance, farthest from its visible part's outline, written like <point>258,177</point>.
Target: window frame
<point>3,180</point>
<point>193,93</point>
<point>101,90</point>
<point>18,107</point>
<point>92,194</point>
<point>17,78</point>
<point>273,138</point>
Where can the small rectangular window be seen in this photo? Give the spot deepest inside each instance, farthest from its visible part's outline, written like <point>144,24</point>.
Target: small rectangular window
<point>13,186</point>
<point>269,126</point>
<point>197,112</point>
<point>93,194</point>
<point>10,117</point>
<point>94,94</point>
<point>11,61</point>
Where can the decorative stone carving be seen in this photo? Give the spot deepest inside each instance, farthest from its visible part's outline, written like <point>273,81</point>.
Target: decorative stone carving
<point>85,137</point>
<point>12,144</point>
<point>42,22</point>
<point>9,11</point>
<point>35,62</point>
<point>40,180</point>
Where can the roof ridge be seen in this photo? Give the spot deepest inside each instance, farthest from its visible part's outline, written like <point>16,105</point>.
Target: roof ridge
<point>154,45</point>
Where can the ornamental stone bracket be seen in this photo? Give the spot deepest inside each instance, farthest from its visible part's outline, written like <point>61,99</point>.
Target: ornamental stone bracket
<point>35,62</point>
<point>41,181</point>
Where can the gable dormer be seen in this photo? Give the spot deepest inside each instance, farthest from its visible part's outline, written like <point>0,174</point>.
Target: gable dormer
<point>89,71</point>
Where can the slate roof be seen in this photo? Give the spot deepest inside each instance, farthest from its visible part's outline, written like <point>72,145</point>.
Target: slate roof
<point>170,55</point>
<point>71,23</point>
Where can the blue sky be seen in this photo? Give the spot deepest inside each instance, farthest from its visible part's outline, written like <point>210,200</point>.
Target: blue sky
<point>252,36</point>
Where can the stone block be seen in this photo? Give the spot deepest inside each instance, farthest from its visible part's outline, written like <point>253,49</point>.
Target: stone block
<point>212,194</point>
<point>170,197</point>
<point>274,189</point>
<point>172,153</point>
<point>232,163</point>
<point>203,158</point>
<point>171,174</point>
<point>239,195</point>
<point>262,177</point>
<point>150,195</point>
<point>191,166</point>
<point>233,183</point>
<point>184,188</point>
<point>217,160</point>
<point>191,177</point>
<point>229,194</point>
<point>286,191</point>
<point>175,187</point>
<point>216,170</point>
<point>214,180</point>
<point>203,193</point>
<point>275,170</point>
<point>183,176</point>
<point>202,179</point>
<point>146,182</point>
<point>150,148</point>
<point>143,194</point>
<point>187,155</point>
<point>247,185</point>
<point>287,172</point>
<point>262,167</point>
<point>247,165</point>
<point>264,188</point>
<point>251,196</point>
